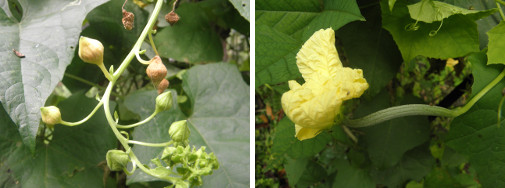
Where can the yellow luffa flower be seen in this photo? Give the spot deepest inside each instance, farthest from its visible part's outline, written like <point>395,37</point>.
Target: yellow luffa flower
<point>314,105</point>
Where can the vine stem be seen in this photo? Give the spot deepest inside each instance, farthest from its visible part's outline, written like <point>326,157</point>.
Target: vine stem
<point>115,76</point>
<point>138,123</point>
<point>85,119</point>
<point>419,109</point>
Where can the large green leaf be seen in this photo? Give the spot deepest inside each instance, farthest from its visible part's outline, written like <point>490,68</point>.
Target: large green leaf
<point>275,56</point>
<point>431,11</point>
<point>477,135</point>
<point>192,39</point>
<point>496,44</point>
<point>72,157</point>
<point>371,48</point>
<point>457,35</point>
<point>285,142</point>
<point>382,140</point>
<point>243,7</point>
<point>47,35</point>
<point>220,122</point>
<point>295,22</point>
<point>351,176</point>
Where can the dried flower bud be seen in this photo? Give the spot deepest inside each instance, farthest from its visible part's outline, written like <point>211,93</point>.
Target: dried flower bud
<point>179,131</point>
<point>128,18</point>
<point>164,101</point>
<point>172,17</point>
<point>162,86</point>
<point>156,70</point>
<point>91,50</point>
<point>116,159</point>
<point>50,115</point>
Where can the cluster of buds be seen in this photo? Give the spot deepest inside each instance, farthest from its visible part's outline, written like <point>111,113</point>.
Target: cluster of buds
<point>191,164</point>
<point>157,72</point>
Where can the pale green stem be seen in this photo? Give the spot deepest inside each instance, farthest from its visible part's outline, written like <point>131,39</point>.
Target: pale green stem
<point>420,109</point>
<point>106,96</point>
<point>85,119</point>
<point>140,59</point>
<point>105,72</point>
<point>151,144</point>
<point>152,44</point>
<point>138,123</point>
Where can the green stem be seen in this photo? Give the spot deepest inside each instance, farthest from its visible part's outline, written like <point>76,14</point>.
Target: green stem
<point>152,44</point>
<point>151,144</point>
<point>138,123</point>
<point>85,119</point>
<point>399,111</point>
<point>498,2</point>
<point>420,109</point>
<point>106,96</point>
<point>105,72</point>
<point>89,83</point>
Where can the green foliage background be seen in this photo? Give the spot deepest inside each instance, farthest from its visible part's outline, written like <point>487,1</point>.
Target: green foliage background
<point>403,65</point>
<point>203,53</point>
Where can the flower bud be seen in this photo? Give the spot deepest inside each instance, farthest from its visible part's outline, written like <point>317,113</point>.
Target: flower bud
<point>116,160</point>
<point>172,17</point>
<point>50,115</point>
<point>156,70</point>
<point>128,18</point>
<point>91,50</point>
<point>162,86</point>
<point>164,101</point>
<point>179,131</point>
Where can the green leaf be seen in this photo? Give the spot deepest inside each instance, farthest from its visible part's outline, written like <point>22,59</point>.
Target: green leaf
<point>117,42</point>
<point>496,45</point>
<point>313,173</point>
<point>294,169</point>
<point>476,134</point>
<point>242,6</point>
<point>391,4</point>
<point>285,142</point>
<point>71,158</point>
<point>275,53</point>
<point>382,140</point>
<point>457,36</point>
<point>282,26</point>
<point>431,11</point>
<point>414,165</point>
<point>220,121</point>
<point>350,176</point>
<point>371,48</point>
<point>192,39</point>
<point>482,75</point>
<point>47,36</point>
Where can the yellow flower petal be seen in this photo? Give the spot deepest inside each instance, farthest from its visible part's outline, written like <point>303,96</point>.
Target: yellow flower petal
<point>318,55</point>
<point>315,105</point>
<point>305,133</point>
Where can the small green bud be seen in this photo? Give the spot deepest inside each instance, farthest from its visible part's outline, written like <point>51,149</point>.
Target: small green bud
<point>50,115</point>
<point>116,159</point>
<point>91,50</point>
<point>179,131</point>
<point>196,181</point>
<point>164,101</point>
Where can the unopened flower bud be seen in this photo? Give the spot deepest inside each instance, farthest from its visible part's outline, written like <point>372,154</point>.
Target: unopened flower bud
<point>91,50</point>
<point>156,70</point>
<point>50,115</point>
<point>179,131</point>
<point>164,101</point>
<point>172,17</point>
<point>116,159</point>
<point>128,18</point>
<point>162,86</point>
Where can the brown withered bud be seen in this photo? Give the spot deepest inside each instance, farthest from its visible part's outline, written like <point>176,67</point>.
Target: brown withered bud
<point>172,17</point>
<point>128,18</point>
<point>156,70</point>
<point>162,86</point>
